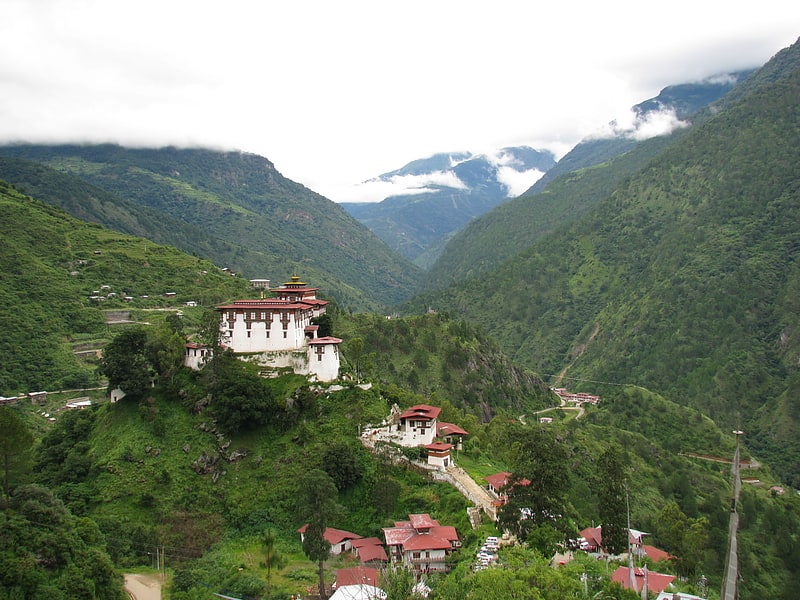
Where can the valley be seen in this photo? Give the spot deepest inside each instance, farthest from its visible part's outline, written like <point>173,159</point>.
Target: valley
<point>565,377</point>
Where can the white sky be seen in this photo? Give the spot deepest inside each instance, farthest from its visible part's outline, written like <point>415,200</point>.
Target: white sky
<point>337,92</point>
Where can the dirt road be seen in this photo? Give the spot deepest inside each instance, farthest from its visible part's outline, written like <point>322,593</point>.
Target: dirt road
<point>143,587</point>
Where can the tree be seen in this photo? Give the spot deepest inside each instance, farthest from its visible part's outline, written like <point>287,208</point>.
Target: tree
<point>273,559</point>
<point>317,507</point>
<point>240,398</point>
<point>537,489</point>
<point>613,500</point>
<point>126,365</point>
<point>325,324</point>
<point>355,349</point>
<point>15,441</point>
<point>341,462</point>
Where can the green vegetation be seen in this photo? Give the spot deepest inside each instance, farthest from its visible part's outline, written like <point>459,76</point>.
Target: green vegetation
<point>437,358</point>
<point>681,279</point>
<point>231,208</point>
<point>60,275</point>
<point>675,299</point>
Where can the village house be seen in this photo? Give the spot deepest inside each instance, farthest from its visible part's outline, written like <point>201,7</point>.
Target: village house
<point>421,543</point>
<point>370,552</point>
<point>498,485</point>
<point>340,540</point>
<point>439,454</point>
<point>357,583</point>
<point>416,425</point>
<point>196,355</point>
<point>641,579</point>
<point>452,434</point>
<point>591,540</point>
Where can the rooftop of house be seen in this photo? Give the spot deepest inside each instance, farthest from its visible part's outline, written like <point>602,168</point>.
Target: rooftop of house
<point>357,575</point>
<point>333,536</point>
<point>421,411</point>
<point>443,429</point>
<point>656,582</point>
<point>500,480</point>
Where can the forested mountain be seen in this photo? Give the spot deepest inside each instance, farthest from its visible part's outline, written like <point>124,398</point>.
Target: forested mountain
<point>229,207</point>
<point>586,174</point>
<point>683,101</point>
<point>58,275</point>
<point>683,277</point>
<point>449,191</point>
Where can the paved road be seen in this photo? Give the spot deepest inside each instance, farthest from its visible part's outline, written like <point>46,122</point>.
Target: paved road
<point>142,587</point>
<point>731,577</point>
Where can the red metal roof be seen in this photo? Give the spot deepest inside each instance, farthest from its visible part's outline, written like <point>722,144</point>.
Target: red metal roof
<point>422,521</point>
<point>396,536</point>
<point>498,480</point>
<point>372,552</point>
<point>357,575</point>
<point>438,447</point>
<point>425,541</point>
<point>334,536</point>
<point>421,411</point>
<point>447,532</point>
<point>655,554</point>
<point>656,582</point>
<point>443,429</point>
<point>324,340</point>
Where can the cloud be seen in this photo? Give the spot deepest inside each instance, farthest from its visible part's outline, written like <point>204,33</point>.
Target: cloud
<point>639,126</point>
<point>375,190</point>
<point>517,182</point>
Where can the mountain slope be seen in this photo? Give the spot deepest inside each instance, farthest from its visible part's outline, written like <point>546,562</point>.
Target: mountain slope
<point>681,280</point>
<point>236,210</point>
<point>50,267</point>
<point>448,191</point>
<point>585,175</point>
<point>680,102</point>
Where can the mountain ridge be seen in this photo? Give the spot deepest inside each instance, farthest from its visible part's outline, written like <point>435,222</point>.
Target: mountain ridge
<point>249,217</point>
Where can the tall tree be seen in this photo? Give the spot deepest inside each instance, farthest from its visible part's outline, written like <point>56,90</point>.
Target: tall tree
<point>355,349</point>
<point>126,365</point>
<point>537,489</point>
<point>15,442</point>
<point>317,507</point>
<point>613,501</point>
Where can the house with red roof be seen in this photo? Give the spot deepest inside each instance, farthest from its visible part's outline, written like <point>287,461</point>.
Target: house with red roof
<point>417,425</point>
<point>439,454</point>
<point>642,578</point>
<point>592,539</point>
<point>421,543</point>
<point>357,576</point>
<point>370,551</point>
<point>452,434</point>
<point>340,540</point>
<point>653,553</point>
<point>277,333</point>
<point>498,485</point>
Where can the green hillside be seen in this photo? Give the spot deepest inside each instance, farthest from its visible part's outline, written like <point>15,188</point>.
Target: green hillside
<point>51,265</point>
<point>229,207</point>
<point>511,228</point>
<point>682,280</point>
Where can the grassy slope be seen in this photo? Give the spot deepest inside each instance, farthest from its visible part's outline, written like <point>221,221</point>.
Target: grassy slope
<point>52,263</point>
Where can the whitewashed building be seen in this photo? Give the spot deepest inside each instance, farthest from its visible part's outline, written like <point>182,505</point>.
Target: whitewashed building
<point>278,334</point>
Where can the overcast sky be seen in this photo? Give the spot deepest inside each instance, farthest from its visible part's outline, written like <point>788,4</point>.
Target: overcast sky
<point>337,92</point>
